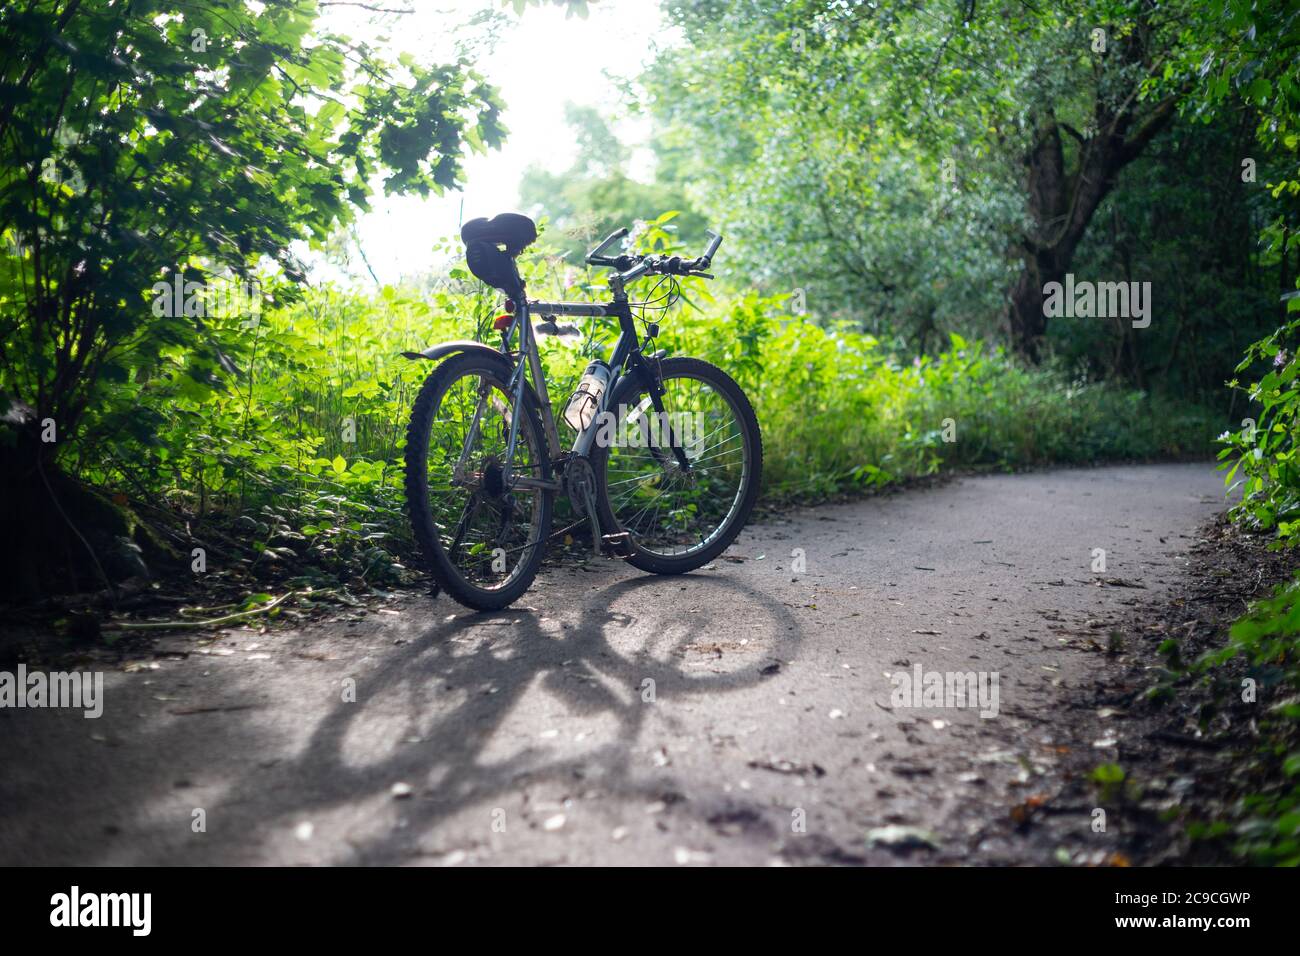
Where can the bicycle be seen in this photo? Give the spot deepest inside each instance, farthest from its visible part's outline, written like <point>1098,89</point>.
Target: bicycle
<point>666,462</point>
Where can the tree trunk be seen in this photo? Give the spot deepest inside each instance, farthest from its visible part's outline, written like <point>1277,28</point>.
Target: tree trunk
<point>1026,320</point>
<point>1061,202</point>
<point>60,536</point>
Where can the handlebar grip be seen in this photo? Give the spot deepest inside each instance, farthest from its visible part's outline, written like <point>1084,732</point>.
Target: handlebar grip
<point>715,240</point>
<point>609,240</point>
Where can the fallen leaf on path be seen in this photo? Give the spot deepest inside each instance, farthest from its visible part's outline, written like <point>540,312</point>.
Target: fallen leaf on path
<point>911,770</point>
<point>1021,813</point>
<point>780,765</point>
<point>683,856</point>
<point>897,837</point>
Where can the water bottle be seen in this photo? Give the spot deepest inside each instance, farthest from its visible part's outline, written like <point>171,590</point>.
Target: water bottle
<point>586,400</point>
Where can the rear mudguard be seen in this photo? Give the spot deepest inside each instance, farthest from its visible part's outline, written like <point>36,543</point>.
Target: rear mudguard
<point>442,350</point>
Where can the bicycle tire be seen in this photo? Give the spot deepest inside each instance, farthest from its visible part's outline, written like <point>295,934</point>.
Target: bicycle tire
<point>418,433</point>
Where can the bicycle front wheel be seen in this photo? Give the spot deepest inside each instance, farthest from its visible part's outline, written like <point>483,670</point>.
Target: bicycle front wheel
<point>680,482</point>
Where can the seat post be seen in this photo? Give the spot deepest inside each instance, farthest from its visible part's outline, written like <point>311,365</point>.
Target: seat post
<point>528,346</point>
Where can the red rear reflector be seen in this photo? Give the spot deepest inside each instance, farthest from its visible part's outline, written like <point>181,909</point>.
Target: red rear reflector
<point>503,322</point>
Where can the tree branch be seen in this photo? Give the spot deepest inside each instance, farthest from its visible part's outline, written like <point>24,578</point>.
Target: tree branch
<point>1073,132</point>
<point>1157,120</point>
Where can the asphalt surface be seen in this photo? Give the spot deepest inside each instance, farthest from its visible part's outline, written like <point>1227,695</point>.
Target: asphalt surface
<point>743,714</point>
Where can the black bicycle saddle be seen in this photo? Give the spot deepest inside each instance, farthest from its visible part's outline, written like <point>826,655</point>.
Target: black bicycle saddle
<point>509,229</point>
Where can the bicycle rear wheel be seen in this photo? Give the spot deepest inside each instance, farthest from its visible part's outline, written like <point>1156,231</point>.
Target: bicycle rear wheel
<point>482,542</point>
<point>679,517</point>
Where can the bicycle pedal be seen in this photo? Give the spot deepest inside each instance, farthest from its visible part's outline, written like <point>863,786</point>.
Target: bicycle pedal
<point>618,544</point>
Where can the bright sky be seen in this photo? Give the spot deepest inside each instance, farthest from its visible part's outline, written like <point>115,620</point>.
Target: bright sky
<point>541,61</point>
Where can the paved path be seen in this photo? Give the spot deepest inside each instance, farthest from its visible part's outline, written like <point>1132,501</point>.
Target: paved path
<point>533,736</point>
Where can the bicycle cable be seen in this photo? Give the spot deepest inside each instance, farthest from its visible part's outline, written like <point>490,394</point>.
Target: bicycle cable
<point>659,303</point>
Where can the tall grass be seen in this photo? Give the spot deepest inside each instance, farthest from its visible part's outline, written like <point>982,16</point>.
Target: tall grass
<point>838,410</point>
<point>308,438</point>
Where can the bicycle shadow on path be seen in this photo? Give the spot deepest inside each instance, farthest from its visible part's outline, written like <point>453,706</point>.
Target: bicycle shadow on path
<point>460,715</point>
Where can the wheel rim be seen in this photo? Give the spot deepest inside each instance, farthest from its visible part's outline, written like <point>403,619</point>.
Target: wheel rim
<point>669,512</point>
<point>487,534</point>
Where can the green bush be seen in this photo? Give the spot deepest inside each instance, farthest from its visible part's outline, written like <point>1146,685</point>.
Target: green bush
<point>1260,459</point>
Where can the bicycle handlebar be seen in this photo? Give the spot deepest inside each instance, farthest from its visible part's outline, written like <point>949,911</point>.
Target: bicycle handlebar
<point>667,265</point>
<point>715,240</point>
<point>613,237</point>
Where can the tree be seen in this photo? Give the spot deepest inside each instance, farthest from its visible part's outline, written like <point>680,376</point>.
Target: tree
<point>149,146</point>
<point>1009,122</point>
<point>1245,52</point>
<point>1063,189</point>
